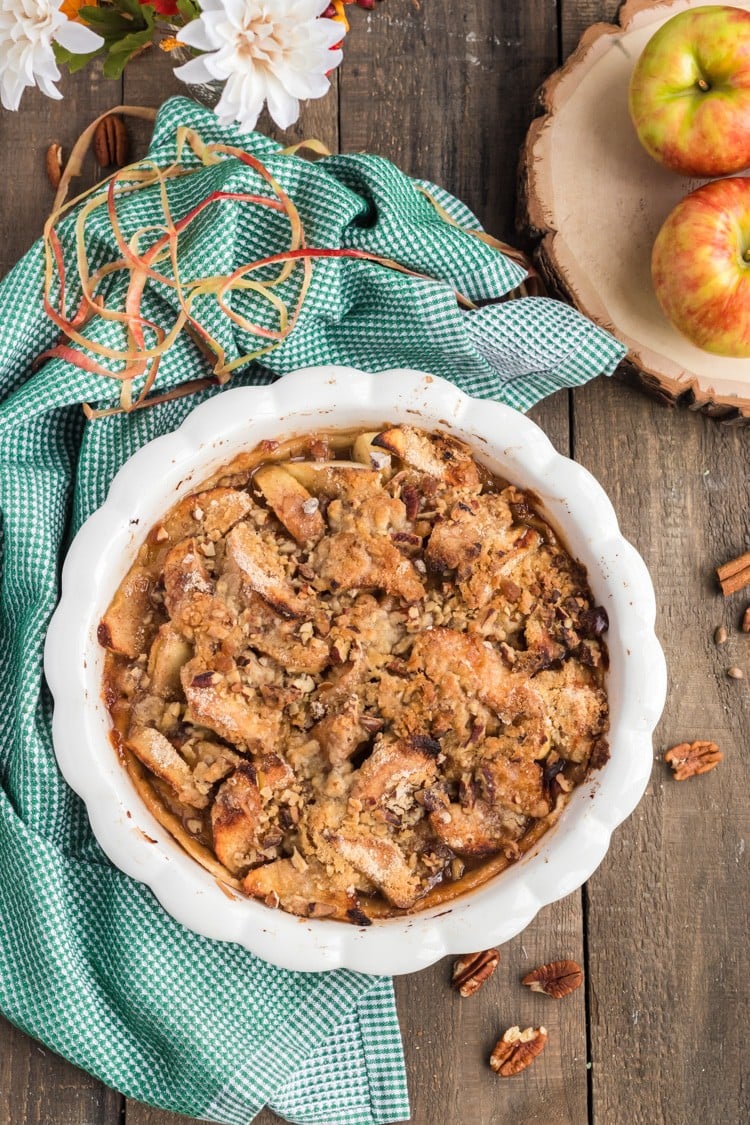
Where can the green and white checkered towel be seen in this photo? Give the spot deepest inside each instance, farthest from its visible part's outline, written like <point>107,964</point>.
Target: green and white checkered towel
<point>89,962</point>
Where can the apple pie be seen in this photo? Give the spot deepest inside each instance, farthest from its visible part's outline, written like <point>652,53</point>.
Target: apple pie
<point>356,674</point>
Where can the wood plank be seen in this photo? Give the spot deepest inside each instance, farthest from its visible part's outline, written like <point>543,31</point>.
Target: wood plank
<point>667,910</point>
<point>446,90</point>
<point>24,139</point>
<point>577,15</point>
<point>448,1039</point>
<point>36,1086</point>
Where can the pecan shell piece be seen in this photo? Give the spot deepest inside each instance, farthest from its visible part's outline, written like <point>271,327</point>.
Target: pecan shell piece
<point>517,1049</point>
<point>688,759</point>
<point>472,970</point>
<point>555,979</point>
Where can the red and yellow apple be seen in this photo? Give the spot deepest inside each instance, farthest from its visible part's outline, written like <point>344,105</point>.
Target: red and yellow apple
<point>690,92</point>
<point>700,265</point>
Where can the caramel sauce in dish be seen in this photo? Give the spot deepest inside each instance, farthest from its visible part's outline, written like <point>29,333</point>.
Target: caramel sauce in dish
<point>354,674</point>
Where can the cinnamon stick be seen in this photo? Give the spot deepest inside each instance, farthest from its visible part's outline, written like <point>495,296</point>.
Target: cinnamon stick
<point>735,574</point>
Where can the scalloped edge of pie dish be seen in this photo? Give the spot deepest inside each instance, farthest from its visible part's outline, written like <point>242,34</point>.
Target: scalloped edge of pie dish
<point>165,470</point>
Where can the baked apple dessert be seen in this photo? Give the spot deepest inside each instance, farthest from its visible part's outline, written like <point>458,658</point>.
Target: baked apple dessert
<point>355,674</point>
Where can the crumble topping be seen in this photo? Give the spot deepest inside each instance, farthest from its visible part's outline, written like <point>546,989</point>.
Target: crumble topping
<point>354,671</point>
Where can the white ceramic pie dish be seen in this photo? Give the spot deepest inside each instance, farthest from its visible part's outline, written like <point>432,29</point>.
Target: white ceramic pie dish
<point>171,466</point>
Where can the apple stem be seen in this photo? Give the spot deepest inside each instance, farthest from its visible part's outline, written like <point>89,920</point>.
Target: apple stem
<point>703,85</point>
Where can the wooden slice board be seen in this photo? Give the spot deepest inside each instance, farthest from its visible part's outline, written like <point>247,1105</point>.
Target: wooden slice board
<point>597,200</point>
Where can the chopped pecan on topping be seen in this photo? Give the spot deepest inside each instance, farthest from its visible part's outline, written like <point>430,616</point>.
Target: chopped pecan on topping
<point>517,1049</point>
<point>472,970</point>
<point>426,744</point>
<point>688,759</point>
<point>412,501</point>
<point>556,979</point>
<point>203,679</point>
<point>320,910</point>
<point>320,448</point>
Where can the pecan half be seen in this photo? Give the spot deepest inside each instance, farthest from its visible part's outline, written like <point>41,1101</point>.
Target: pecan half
<point>111,142</point>
<point>691,758</point>
<point>556,979</point>
<point>473,969</point>
<point>517,1049</point>
<point>53,163</point>
<point>412,501</point>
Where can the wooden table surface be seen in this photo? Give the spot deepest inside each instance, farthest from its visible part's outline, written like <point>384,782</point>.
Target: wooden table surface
<point>446,89</point>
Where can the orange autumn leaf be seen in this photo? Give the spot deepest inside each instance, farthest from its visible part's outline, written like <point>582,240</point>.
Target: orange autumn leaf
<point>70,8</point>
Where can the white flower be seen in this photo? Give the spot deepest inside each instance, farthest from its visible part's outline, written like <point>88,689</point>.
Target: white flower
<point>27,31</point>
<point>274,51</point>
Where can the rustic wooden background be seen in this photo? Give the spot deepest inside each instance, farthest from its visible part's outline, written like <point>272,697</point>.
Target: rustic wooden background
<point>446,89</point>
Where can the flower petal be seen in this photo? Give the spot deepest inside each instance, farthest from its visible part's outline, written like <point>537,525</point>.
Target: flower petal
<point>194,71</point>
<point>329,32</point>
<point>47,87</point>
<point>195,34</point>
<point>77,38</point>
<point>11,90</point>
<point>284,109</point>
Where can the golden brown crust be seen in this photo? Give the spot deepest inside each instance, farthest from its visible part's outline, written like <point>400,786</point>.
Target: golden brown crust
<point>356,687</point>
